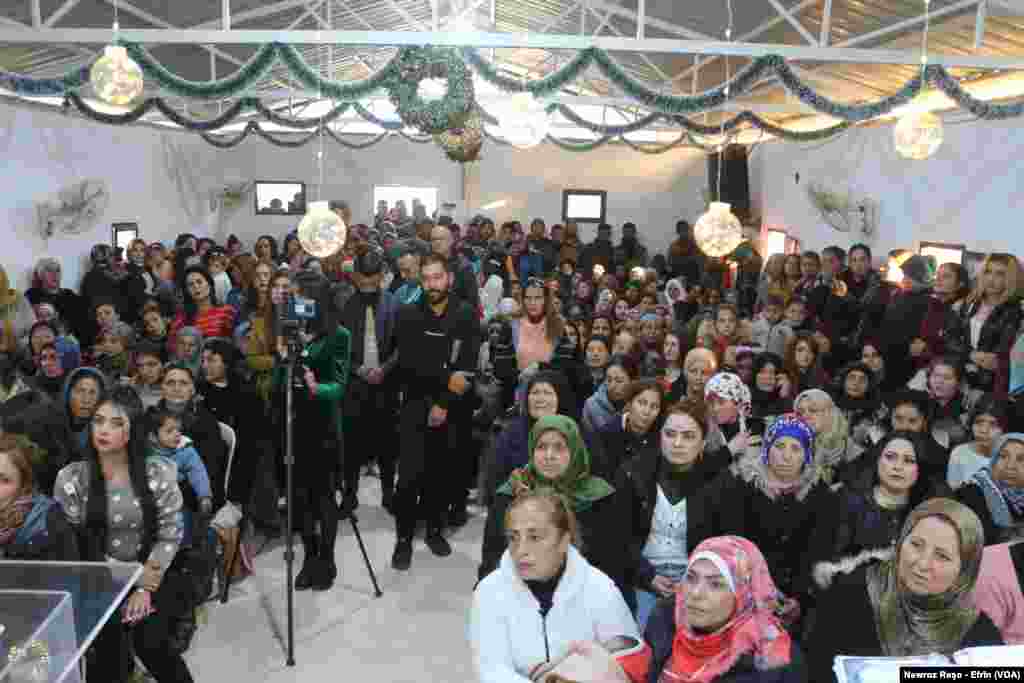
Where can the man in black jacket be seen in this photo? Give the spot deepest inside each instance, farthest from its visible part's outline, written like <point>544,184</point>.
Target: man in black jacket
<point>371,399</point>
<point>463,285</point>
<point>438,341</point>
<point>600,251</point>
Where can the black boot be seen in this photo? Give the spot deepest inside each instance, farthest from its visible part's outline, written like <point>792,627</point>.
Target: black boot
<point>327,570</point>
<point>437,543</point>
<point>310,564</point>
<point>402,557</point>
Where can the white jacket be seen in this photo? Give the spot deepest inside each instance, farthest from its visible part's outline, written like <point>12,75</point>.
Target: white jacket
<point>506,629</point>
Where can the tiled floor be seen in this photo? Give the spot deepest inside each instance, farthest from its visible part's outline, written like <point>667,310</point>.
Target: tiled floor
<point>415,632</point>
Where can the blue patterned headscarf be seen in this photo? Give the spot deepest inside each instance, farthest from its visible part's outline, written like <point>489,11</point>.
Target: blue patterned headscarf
<point>792,425</point>
<point>1003,502</point>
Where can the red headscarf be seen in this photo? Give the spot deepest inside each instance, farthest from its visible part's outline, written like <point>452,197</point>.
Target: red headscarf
<point>752,629</point>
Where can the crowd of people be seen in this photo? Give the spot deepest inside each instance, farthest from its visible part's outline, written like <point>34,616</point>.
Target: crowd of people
<point>688,463</point>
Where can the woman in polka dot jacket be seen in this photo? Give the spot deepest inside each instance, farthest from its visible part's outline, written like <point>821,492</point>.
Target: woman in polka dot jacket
<point>126,506</point>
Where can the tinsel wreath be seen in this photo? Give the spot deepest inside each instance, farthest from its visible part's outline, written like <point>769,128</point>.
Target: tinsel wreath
<point>416,64</point>
<point>463,144</point>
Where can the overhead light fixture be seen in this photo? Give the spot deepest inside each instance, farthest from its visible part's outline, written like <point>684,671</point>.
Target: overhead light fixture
<point>501,203</point>
<point>718,232</point>
<point>115,77</point>
<point>322,232</point>
<point>918,135</point>
<point>524,120</point>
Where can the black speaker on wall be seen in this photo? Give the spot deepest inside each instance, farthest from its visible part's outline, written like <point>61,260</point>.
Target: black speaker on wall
<point>735,182</point>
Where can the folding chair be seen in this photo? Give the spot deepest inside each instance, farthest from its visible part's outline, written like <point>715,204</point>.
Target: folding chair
<point>227,433</point>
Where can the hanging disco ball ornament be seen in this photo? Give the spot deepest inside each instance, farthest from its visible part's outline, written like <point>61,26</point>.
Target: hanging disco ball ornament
<point>918,135</point>
<point>322,232</point>
<point>718,232</point>
<point>524,121</point>
<point>115,76</point>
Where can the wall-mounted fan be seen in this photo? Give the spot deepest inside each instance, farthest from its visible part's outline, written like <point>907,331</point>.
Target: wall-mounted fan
<point>76,209</point>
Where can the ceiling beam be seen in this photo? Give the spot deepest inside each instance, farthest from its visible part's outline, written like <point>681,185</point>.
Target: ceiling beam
<point>785,13</point>
<point>409,19</point>
<point>59,13</point>
<point>225,15</point>
<point>843,52</point>
<point>129,8</point>
<point>652,22</point>
<point>37,13</point>
<point>826,24</point>
<point>979,25</point>
<point>753,33</point>
<point>908,24</point>
<point>249,15</point>
<point>1015,6</point>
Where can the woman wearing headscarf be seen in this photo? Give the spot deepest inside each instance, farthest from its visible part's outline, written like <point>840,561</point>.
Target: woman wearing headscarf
<point>547,393</point>
<point>915,601</point>
<point>558,459</point>
<point>724,624</point>
<point>84,388</point>
<point>727,404</point>
<point>942,379</point>
<point>871,511</point>
<point>778,501</point>
<point>663,509</point>
<point>834,450</point>
<point>996,491</point>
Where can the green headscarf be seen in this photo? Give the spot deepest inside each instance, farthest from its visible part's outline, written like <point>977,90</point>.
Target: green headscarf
<point>576,484</point>
<point>910,624</point>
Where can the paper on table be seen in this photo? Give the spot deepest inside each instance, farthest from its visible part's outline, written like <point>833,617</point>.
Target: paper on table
<point>879,669</point>
<point>994,655</point>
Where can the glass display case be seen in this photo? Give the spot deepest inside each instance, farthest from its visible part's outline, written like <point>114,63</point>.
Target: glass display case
<point>50,612</point>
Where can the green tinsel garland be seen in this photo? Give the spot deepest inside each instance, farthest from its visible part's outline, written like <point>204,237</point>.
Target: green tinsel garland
<point>388,78</point>
<point>247,75</point>
<point>415,64</point>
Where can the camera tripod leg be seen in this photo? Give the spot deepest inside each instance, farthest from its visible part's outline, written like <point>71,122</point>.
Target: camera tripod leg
<point>366,558</point>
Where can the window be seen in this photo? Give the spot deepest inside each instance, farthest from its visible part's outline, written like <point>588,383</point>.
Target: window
<point>943,253</point>
<point>387,198</point>
<point>584,206</point>
<point>280,198</point>
<point>123,234</point>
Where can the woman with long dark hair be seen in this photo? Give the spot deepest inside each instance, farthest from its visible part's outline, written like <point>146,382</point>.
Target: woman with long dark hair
<point>319,382</point>
<point>202,310</point>
<point>127,506</point>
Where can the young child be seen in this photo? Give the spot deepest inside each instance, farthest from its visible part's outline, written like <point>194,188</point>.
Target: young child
<point>149,370</point>
<point>166,439</point>
<point>988,422</point>
<point>796,315</point>
<point>769,331</point>
<point>154,325</point>
<point>110,355</point>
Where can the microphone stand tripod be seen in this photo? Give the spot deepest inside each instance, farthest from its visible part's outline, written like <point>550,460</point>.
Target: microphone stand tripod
<point>294,349</point>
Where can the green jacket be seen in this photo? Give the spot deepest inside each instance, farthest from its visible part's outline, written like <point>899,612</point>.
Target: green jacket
<point>329,359</point>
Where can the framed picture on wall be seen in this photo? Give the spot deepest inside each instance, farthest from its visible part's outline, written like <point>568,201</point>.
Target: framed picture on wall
<point>122,234</point>
<point>584,206</point>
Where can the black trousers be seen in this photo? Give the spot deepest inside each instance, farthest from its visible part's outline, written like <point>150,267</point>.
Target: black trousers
<point>370,431</point>
<point>464,454</point>
<point>315,465</point>
<point>109,659</point>
<point>425,482</point>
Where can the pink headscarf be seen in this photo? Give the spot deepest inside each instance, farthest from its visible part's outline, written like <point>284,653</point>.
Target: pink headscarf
<point>752,629</point>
